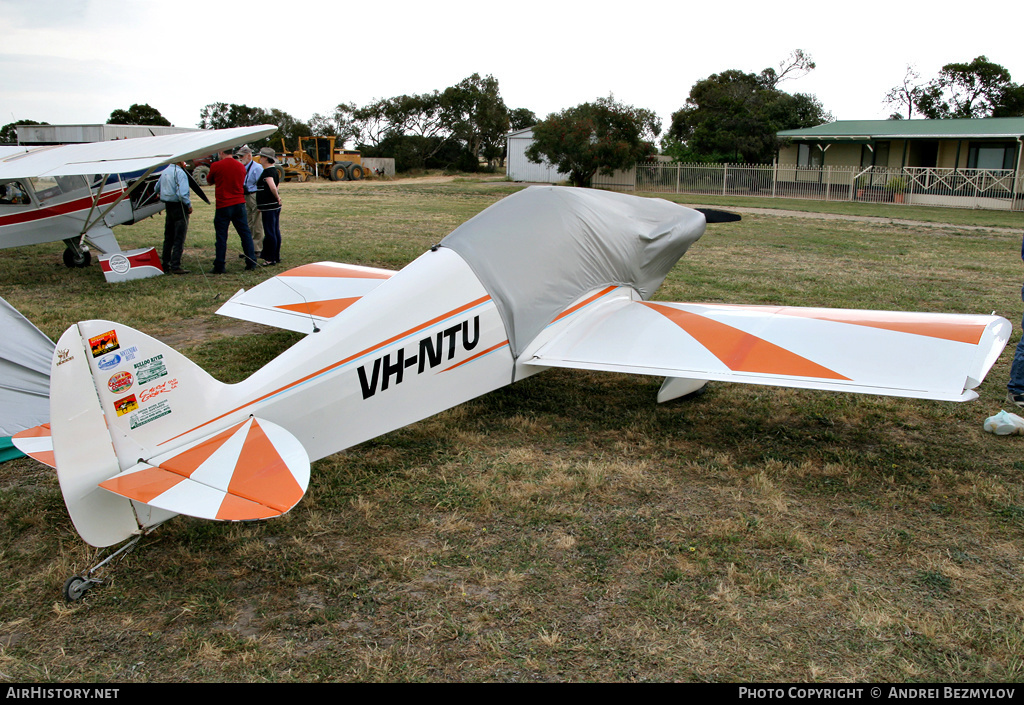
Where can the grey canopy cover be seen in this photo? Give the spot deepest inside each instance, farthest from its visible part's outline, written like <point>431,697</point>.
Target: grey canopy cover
<point>540,249</point>
<point>25,356</point>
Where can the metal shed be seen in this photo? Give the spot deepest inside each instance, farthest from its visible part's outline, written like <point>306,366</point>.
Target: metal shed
<point>79,134</point>
<point>519,168</point>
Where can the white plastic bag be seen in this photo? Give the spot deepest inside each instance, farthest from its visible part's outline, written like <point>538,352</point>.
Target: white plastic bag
<point>1004,424</point>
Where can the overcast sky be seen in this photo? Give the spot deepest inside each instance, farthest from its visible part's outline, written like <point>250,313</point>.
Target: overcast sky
<point>75,61</point>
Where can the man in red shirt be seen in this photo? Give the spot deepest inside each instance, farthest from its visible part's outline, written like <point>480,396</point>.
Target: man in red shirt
<point>228,176</point>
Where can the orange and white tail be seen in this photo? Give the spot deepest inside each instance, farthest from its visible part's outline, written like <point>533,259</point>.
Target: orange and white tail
<point>120,405</point>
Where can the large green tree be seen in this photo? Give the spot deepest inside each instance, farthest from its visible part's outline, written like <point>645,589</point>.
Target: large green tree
<point>604,135</point>
<point>974,89</point>
<point>734,117</point>
<point>475,114</point>
<point>138,114</point>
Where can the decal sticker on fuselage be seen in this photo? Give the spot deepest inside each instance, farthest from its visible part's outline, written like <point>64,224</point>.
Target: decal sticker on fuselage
<point>103,344</point>
<point>126,405</point>
<point>150,369</point>
<point>120,382</point>
<point>150,413</point>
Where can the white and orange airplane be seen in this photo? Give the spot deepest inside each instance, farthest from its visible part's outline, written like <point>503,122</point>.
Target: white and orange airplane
<point>77,193</point>
<point>547,277</point>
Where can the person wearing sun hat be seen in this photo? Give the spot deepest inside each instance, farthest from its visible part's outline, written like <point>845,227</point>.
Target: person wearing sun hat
<point>268,200</point>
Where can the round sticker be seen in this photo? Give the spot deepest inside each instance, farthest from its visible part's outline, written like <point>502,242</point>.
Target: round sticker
<point>119,264</point>
<point>120,382</point>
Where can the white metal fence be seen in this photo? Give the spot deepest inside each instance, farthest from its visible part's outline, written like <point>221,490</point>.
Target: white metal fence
<point>998,189</point>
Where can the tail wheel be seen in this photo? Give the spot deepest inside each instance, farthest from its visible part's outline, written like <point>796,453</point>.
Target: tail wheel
<point>339,173</point>
<point>73,259</point>
<point>356,172</point>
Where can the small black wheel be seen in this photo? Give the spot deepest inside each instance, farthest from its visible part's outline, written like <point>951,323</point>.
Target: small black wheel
<point>75,587</point>
<point>72,260</point>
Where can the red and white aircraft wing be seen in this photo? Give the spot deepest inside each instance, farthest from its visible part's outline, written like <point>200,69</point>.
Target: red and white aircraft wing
<point>122,156</point>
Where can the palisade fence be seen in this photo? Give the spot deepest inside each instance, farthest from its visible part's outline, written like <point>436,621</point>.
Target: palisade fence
<point>997,189</point>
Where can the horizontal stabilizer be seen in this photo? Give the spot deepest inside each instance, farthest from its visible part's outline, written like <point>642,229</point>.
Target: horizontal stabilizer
<point>303,298</point>
<point>36,443</point>
<point>919,355</point>
<point>252,470</point>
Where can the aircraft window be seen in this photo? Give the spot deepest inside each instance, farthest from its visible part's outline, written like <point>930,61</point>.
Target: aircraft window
<point>13,193</point>
<point>49,187</point>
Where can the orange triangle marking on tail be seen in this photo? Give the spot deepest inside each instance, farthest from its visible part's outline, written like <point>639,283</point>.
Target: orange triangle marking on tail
<point>324,309</point>
<point>35,432</point>
<point>235,508</point>
<point>261,475</point>
<point>144,485</point>
<point>187,462</point>
<point>45,457</point>
<point>741,351</point>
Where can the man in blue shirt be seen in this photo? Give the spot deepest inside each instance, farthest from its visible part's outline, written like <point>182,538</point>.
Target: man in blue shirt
<point>172,188</point>
<point>253,169</point>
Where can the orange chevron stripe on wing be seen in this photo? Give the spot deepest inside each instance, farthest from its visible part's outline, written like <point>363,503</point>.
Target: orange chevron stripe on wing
<point>932,325</point>
<point>336,271</point>
<point>741,351</point>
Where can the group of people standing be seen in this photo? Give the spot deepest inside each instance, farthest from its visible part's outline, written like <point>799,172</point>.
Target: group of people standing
<point>247,197</point>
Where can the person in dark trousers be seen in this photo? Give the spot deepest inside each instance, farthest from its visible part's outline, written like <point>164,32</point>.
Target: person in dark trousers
<point>1015,387</point>
<point>173,190</point>
<point>253,170</point>
<point>228,177</point>
<point>268,200</point>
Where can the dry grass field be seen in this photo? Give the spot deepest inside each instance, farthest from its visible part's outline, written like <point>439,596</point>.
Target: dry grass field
<point>567,528</point>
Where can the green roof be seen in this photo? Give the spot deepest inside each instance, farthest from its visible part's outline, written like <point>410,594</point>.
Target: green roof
<point>861,130</point>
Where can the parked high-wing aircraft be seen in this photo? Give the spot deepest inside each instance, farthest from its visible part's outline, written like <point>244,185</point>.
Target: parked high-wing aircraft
<point>77,193</point>
<point>547,277</point>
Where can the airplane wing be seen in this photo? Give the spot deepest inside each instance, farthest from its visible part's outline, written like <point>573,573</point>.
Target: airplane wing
<point>122,156</point>
<point>919,355</point>
<point>303,298</point>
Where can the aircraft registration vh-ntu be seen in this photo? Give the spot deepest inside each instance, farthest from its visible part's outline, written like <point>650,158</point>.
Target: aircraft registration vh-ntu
<point>547,277</point>
<point>77,193</point>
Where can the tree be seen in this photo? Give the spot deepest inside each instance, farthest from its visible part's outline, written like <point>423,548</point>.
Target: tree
<point>9,133</point>
<point>797,64</point>
<point>974,89</point>
<point>219,116</point>
<point>137,114</point>
<point>906,95</point>
<point>966,90</point>
<point>521,118</point>
<point>475,114</point>
<point>734,116</point>
<point>601,136</point>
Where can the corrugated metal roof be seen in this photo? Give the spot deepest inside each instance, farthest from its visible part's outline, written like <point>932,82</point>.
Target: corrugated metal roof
<point>851,130</point>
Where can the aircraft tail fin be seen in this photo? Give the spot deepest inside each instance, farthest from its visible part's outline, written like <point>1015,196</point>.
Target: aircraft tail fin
<point>141,433</point>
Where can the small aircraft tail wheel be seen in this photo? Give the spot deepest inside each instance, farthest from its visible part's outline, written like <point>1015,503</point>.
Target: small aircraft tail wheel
<point>75,587</point>
<point>73,259</point>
